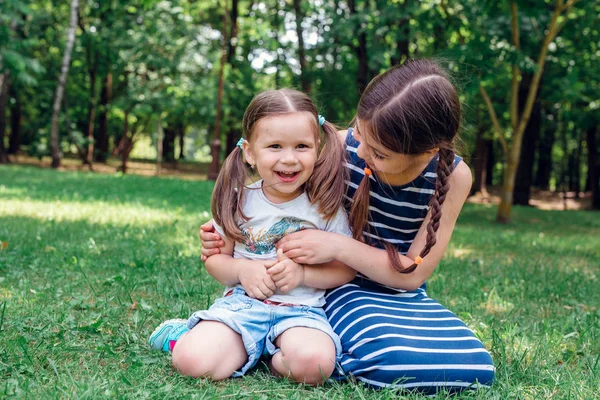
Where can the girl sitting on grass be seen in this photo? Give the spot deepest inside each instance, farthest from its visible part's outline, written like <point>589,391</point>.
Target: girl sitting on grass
<point>406,189</point>
<point>272,307</point>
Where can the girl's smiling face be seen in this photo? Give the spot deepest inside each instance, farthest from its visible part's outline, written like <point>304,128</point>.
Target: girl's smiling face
<point>283,149</point>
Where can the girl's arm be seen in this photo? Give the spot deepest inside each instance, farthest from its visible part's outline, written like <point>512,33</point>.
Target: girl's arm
<point>251,274</point>
<point>328,275</point>
<point>223,267</point>
<point>310,246</point>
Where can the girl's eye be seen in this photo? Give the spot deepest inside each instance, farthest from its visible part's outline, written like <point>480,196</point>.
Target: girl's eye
<point>303,146</point>
<point>378,156</point>
<point>275,146</point>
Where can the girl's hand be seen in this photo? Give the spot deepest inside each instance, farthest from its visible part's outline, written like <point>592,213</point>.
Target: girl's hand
<point>286,274</point>
<point>310,246</point>
<point>211,241</point>
<point>255,280</point>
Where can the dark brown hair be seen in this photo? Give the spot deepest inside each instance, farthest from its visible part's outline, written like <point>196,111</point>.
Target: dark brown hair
<point>325,187</point>
<point>409,109</point>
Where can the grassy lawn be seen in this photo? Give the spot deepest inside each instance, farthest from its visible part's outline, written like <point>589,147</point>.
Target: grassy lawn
<point>94,262</point>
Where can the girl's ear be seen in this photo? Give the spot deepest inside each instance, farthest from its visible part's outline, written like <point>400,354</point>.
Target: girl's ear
<point>248,153</point>
<point>431,152</point>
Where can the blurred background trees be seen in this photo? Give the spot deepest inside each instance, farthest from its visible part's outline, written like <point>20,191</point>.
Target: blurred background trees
<point>144,77</point>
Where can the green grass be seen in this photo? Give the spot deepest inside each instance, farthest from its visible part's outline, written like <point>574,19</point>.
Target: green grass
<point>95,262</point>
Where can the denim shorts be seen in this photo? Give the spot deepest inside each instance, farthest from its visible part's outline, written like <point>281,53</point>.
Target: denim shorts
<point>260,324</point>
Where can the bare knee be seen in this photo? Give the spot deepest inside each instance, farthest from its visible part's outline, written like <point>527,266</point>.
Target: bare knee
<point>310,366</point>
<point>196,361</point>
<point>193,363</point>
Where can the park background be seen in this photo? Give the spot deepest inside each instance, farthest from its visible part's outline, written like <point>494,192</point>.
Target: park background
<point>93,256</point>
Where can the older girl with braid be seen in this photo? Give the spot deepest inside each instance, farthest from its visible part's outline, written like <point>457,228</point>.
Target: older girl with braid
<point>405,191</point>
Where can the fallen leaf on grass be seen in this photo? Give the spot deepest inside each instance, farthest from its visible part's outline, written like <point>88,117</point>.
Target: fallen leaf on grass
<point>3,245</point>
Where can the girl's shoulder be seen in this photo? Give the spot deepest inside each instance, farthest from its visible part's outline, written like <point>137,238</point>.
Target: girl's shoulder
<point>348,136</point>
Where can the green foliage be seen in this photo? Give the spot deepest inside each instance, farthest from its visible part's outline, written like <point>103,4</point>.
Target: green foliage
<point>95,262</point>
<point>164,58</point>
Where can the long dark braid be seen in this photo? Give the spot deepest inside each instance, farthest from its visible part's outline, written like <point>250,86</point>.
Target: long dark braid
<point>444,169</point>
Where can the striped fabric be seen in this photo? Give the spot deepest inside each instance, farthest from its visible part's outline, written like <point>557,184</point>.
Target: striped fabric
<point>395,338</point>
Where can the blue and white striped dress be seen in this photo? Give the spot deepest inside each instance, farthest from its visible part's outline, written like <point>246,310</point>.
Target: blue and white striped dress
<point>393,337</point>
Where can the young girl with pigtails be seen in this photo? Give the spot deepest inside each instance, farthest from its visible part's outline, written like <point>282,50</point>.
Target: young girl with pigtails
<point>405,190</point>
<point>271,304</point>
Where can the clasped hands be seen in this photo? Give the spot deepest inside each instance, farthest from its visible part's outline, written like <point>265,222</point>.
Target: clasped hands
<point>261,279</point>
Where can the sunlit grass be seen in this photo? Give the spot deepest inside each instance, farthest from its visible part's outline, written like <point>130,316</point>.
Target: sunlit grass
<point>94,262</point>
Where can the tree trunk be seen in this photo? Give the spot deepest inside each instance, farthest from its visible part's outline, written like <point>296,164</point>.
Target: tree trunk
<point>575,168</point>
<point>159,144</point>
<point>233,15</point>
<point>125,144</point>
<point>278,60</point>
<point>214,167</point>
<point>402,41</point>
<point>480,159</point>
<point>544,166</point>
<point>304,80</point>
<point>401,27</point>
<point>16,117</point>
<point>102,134</point>
<point>60,88</point>
<point>530,137</point>
<point>490,164</point>
<point>181,136</point>
<point>593,165</point>
<point>81,152</point>
<point>93,73</point>
<point>362,78</point>
<point>4,90</point>
<point>231,141</point>
<point>231,136</point>
<point>168,144</point>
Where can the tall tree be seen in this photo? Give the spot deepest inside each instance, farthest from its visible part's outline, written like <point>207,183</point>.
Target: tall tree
<point>304,78</point>
<point>519,121</point>
<point>524,177</point>
<point>60,87</point>
<point>4,88</point>
<point>101,153</point>
<point>593,134</point>
<point>213,171</point>
<point>232,133</point>
<point>360,48</point>
<point>16,116</point>
<point>480,160</point>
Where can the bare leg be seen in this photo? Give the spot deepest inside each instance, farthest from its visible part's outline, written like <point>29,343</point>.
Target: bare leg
<point>211,349</point>
<point>307,355</point>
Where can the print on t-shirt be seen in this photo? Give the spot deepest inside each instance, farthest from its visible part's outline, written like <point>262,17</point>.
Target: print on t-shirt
<point>262,242</point>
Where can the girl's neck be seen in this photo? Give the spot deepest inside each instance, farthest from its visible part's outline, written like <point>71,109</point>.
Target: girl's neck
<point>277,197</point>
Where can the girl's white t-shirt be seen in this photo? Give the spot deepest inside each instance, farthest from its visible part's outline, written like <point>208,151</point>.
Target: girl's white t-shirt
<point>269,222</point>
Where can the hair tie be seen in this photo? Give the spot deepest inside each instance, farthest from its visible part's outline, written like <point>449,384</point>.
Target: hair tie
<point>321,120</point>
<point>240,142</point>
<point>418,260</point>
<point>368,171</point>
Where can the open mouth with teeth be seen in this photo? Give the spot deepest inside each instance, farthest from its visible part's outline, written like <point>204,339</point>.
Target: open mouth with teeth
<point>287,176</point>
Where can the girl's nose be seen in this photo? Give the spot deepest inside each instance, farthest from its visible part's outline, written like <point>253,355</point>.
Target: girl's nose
<point>288,157</point>
<point>360,151</point>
